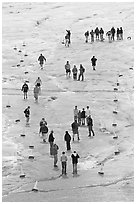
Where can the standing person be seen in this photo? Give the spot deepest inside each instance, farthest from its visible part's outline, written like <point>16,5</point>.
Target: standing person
<point>36,93</point>
<point>67,40</point>
<point>118,33</point>
<point>81,74</point>
<point>75,158</point>
<point>83,116</point>
<point>69,35</point>
<point>41,59</point>
<point>75,113</point>
<point>88,112</point>
<point>74,70</point>
<point>43,122</point>
<point>86,36</point>
<point>97,32</point>
<point>51,141</point>
<point>101,34</point>
<point>55,149</point>
<point>75,131</point>
<point>121,33</point>
<point>109,34</point>
<point>93,60</point>
<point>44,131</point>
<point>92,36</point>
<point>67,138</point>
<point>90,126</point>
<point>38,82</point>
<point>67,68</point>
<point>79,117</point>
<point>27,114</point>
<point>25,89</point>
<point>113,33</point>
<point>63,160</point>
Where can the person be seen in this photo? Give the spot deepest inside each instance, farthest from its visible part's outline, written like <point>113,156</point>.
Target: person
<point>74,70</point>
<point>92,36</point>
<point>90,126</point>
<point>93,60</point>
<point>38,82</point>
<point>25,89</point>
<point>55,149</point>
<point>41,59</point>
<point>81,74</point>
<point>109,34</point>
<point>51,141</point>
<point>69,35</point>
<point>121,33</point>
<point>75,158</point>
<point>43,122</point>
<point>67,40</point>
<point>87,112</point>
<point>97,32</point>
<point>67,138</point>
<point>113,33</point>
<point>86,36</point>
<point>101,34</point>
<point>75,131</point>
<point>118,34</point>
<point>83,116</point>
<point>63,160</point>
<point>67,68</point>
<point>79,117</point>
<point>27,114</point>
<point>44,131</point>
<point>75,113</point>
<point>36,93</point>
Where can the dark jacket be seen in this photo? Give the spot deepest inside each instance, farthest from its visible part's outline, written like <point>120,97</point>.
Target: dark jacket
<point>75,158</point>
<point>74,126</point>
<point>113,30</point>
<point>97,31</point>
<point>27,112</point>
<point>51,138</point>
<point>55,149</point>
<point>41,58</point>
<point>44,129</point>
<point>43,123</point>
<point>93,61</point>
<point>82,70</point>
<point>83,114</point>
<point>67,137</point>
<point>101,31</point>
<point>89,121</point>
<point>25,88</point>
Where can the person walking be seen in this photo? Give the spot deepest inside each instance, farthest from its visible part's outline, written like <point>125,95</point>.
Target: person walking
<point>74,70</point>
<point>41,60</point>
<point>97,32</point>
<point>92,36</point>
<point>101,34</point>
<point>86,36</point>
<point>88,113</point>
<point>83,116</point>
<point>55,149</point>
<point>81,74</point>
<point>27,114</point>
<point>90,126</point>
<point>113,33</point>
<point>75,113</point>
<point>25,89</point>
<point>79,117</point>
<point>43,122</point>
<point>75,158</point>
<point>75,131</point>
<point>44,131</point>
<point>67,68</point>
<point>67,40</point>
<point>63,160</point>
<point>69,36</point>
<point>51,141</point>
<point>93,60</point>
<point>36,93</point>
<point>67,138</point>
<point>38,83</point>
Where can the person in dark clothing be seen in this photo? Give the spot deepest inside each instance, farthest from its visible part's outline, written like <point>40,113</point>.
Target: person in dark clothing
<point>51,140</point>
<point>63,160</point>
<point>55,149</point>
<point>75,158</point>
<point>121,33</point>
<point>43,122</point>
<point>90,126</point>
<point>44,131</point>
<point>97,32</point>
<point>79,117</point>
<point>109,34</point>
<point>27,114</point>
<point>67,138</point>
<point>41,59</point>
<point>113,33</point>
<point>101,34</point>
<point>25,89</point>
<point>118,33</point>
<point>69,35</point>
<point>74,70</point>
<point>83,116</point>
<point>75,131</point>
<point>92,36</point>
<point>93,60</point>
<point>86,36</point>
<point>81,74</point>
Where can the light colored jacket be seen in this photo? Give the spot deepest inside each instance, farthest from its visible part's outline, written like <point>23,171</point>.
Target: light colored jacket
<point>63,158</point>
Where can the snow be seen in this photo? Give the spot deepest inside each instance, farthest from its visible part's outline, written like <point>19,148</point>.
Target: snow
<point>41,26</point>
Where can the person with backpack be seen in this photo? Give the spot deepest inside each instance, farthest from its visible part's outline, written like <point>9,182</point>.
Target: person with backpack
<point>75,158</point>
<point>51,141</point>
<point>81,74</point>
<point>44,131</point>
<point>67,138</point>
<point>92,36</point>
<point>75,131</point>
<point>86,36</point>
<point>93,60</point>
<point>83,116</point>
<point>90,126</point>
<point>63,160</point>
<point>55,149</point>
<point>74,70</point>
<point>41,59</point>
<point>27,114</point>
<point>25,89</point>
<point>67,68</point>
<point>101,34</point>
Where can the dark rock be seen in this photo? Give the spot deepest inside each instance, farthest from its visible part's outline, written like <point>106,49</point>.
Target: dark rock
<point>18,120</point>
<point>114,124</point>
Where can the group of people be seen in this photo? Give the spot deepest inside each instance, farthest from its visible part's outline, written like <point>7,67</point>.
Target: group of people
<point>98,34</point>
